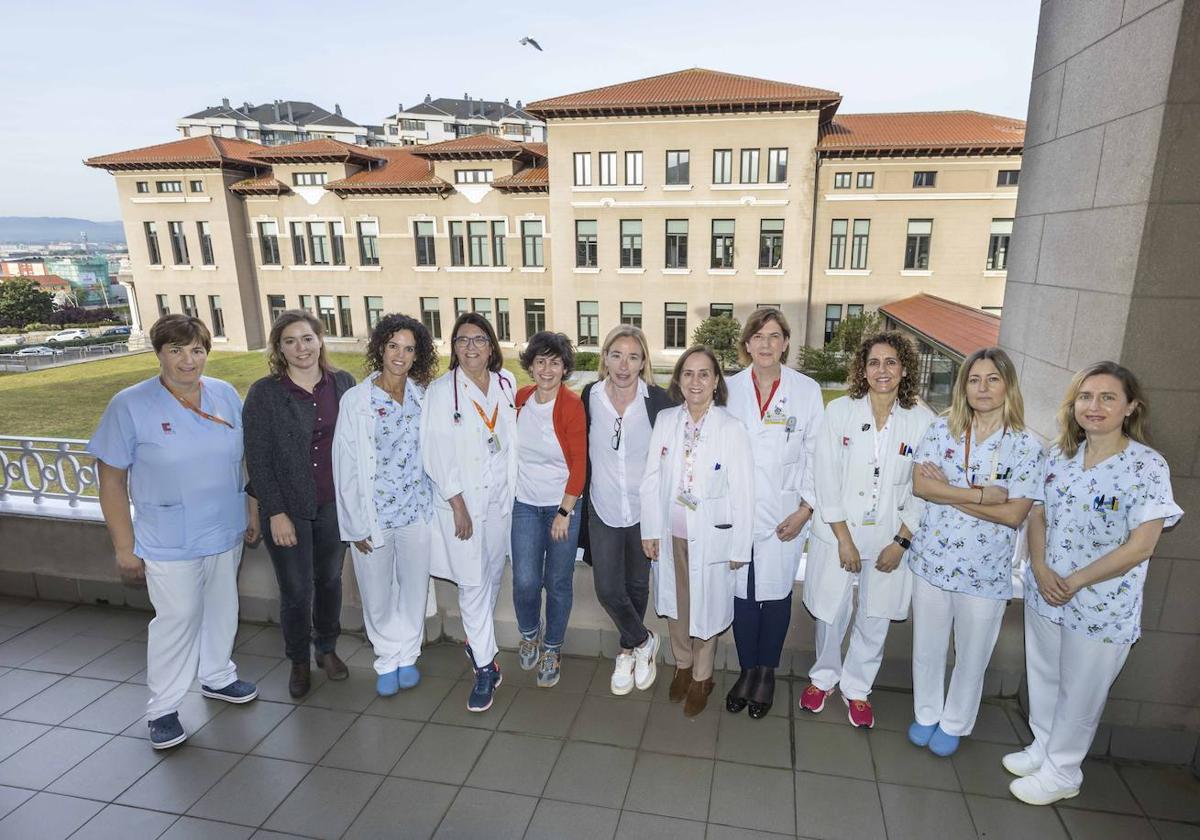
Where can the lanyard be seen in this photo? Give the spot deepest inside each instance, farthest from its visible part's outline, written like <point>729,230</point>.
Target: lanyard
<point>879,438</point>
<point>500,379</point>
<point>491,424</point>
<point>183,402</point>
<point>690,446</point>
<point>763,406</point>
<point>967,459</point>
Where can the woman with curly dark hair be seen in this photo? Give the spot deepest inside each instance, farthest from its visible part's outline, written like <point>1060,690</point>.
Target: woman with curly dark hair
<point>385,500</point>
<point>865,515</point>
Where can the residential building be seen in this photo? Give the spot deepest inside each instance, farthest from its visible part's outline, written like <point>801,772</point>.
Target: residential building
<point>91,284</point>
<point>278,122</point>
<point>442,119</point>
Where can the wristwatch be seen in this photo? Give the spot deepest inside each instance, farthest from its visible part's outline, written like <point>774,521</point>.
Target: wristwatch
<point>903,542</point>
<point>562,511</point>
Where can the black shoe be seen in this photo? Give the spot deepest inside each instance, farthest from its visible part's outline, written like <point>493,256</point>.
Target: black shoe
<point>763,693</point>
<point>301,679</point>
<point>739,693</point>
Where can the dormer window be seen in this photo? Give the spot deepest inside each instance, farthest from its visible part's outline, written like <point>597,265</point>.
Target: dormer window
<point>308,179</point>
<point>472,176</point>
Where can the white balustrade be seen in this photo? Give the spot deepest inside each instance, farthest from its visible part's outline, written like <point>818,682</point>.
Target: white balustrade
<point>48,477</point>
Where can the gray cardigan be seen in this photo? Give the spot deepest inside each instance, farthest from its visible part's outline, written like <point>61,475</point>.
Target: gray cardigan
<point>277,431</point>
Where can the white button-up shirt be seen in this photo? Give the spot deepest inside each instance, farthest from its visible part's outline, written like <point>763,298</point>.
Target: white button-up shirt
<point>616,478</point>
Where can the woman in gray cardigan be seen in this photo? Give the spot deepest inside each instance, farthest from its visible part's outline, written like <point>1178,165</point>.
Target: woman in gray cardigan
<point>289,419</point>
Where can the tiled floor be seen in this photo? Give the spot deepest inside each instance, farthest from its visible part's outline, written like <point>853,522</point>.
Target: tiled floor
<point>569,762</point>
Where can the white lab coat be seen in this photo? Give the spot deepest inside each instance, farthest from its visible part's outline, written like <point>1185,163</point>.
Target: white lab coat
<point>783,473</point>
<point>354,463</point>
<point>844,470</point>
<point>724,483</point>
<point>454,455</point>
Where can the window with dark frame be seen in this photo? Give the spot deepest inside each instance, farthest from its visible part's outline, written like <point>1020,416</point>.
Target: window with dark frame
<point>608,169</point>
<point>916,248</point>
<point>337,239</point>
<point>424,243</point>
<point>483,306</point>
<point>306,303</point>
<point>188,304</point>
<point>461,307</point>
<point>675,326</point>
<point>837,243</point>
<point>631,313</point>
<point>531,244</point>
<point>327,312</point>
<point>152,249</point>
<point>722,166</point>
<point>722,243</point>
<point>431,315</point>
<point>770,243</point>
<point>631,243</point>
<point>318,243</point>
<point>589,323</point>
<point>864,180</point>
<point>164,308</point>
<point>503,322</point>
<point>168,186</point>
<point>853,310</point>
<point>499,233</point>
<point>677,243</point>
<point>204,234</point>
<point>374,306</point>
<point>368,243</point>
<point>833,317</point>
<point>142,187</point>
<point>777,164</point>
<point>841,180</point>
<point>345,322</point>
<point>924,179</point>
<point>276,305</point>
<point>268,241</point>
<point>720,310</point>
<point>585,243</point>
<point>583,169</point>
<point>477,243</point>
<point>179,249</point>
<point>299,252</point>
<point>1008,177</point>
<point>860,244</point>
<point>473,176</point>
<point>748,171</point>
<point>308,179</point>
<point>458,244</point>
<point>535,316</point>
<point>678,167</point>
<point>1001,234</point>
<point>633,169</point>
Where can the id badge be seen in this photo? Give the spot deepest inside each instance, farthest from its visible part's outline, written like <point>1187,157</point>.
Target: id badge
<point>869,518</point>
<point>493,444</point>
<point>688,500</point>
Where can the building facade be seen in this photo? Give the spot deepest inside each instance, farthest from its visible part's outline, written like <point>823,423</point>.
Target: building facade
<point>442,119</point>
<point>278,122</point>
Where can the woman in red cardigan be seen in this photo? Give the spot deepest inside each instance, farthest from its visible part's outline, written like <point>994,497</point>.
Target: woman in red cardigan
<point>551,468</point>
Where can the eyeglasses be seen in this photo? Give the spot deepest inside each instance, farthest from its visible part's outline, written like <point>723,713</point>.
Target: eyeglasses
<point>616,438</point>
<point>476,341</point>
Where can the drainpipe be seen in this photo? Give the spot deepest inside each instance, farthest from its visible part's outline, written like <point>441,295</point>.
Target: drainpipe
<point>812,239</point>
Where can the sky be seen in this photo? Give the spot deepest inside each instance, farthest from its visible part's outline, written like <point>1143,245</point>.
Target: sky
<point>82,79</point>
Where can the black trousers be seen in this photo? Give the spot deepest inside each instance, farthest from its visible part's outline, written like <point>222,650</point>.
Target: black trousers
<point>759,627</point>
<point>621,572</point>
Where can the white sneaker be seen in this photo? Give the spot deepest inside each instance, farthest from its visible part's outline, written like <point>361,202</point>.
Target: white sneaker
<point>622,678</point>
<point>645,669</point>
<point>1020,763</point>
<point>1031,791</point>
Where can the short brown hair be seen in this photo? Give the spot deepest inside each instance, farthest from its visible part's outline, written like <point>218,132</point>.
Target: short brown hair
<point>495,360</point>
<point>180,330</point>
<point>720,395</point>
<point>275,359</point>
<point>757,320</point>
<point>898,341</point>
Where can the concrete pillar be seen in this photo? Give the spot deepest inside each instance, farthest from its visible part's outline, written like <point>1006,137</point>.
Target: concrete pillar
<point>1105,252</point>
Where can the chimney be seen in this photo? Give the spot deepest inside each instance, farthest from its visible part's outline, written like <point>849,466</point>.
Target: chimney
<point>519,106</point>
<point>246,106</point>
<point>428,99</point>
<point>467,97</point>
<point>276,110</point>
<point>291,119</point>
<point>399,108</point>
<point>506,100</point>
<point>337,109</point>
<point>225,101</point>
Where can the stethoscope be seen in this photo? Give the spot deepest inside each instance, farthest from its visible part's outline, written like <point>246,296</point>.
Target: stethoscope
<point>503,380</point>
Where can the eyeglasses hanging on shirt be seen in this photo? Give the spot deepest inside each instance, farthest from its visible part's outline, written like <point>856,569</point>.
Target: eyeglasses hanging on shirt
<point>616,438</point>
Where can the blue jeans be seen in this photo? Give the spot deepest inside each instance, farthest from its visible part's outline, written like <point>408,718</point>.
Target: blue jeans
<point>541,563</point>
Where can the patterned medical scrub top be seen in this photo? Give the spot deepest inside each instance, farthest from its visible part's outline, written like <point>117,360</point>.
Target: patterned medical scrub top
<point>403,492</point>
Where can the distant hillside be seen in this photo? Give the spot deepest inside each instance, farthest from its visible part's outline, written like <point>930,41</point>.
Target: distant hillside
<point>46,229</point>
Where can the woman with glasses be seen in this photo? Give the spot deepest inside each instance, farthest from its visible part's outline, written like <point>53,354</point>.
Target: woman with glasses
<point>468,445</point>
<point>621,407</point>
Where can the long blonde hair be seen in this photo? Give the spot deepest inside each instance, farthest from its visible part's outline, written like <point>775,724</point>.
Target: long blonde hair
<point>625,331</point>
<point>960,413</point>
<point>1136,426</point>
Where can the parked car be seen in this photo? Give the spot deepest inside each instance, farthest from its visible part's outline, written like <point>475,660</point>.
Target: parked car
<point>67,335</point>
<point>37,350</point>
<point>116,331</point>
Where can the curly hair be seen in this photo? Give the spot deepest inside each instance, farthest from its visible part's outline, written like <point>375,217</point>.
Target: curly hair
<point>424,365</point>
<point>552,344</point>
<point>856,383</point>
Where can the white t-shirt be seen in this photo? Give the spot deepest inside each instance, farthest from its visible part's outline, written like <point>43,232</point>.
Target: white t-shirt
<point>542,469</point>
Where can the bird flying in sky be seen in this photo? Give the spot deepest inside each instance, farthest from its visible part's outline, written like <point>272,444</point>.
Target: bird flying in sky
<point>527,41</point>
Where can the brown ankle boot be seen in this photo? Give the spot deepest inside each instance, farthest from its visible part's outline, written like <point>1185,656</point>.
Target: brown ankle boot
<point>679,684</point>
<point>697,697</point>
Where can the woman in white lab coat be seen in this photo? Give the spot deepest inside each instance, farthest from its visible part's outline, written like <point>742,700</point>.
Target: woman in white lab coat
<point>697,501</point>
<point>468,428</point>
<point>866,513</point>
<point>781,409</point>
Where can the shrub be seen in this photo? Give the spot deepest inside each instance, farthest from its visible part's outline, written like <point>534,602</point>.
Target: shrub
<point>720,333</point>
<point>851,330</point>
<point>823,364</point>
<point>587,361</point>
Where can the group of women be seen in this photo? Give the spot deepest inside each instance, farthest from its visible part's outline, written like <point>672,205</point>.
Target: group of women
<point>705,488</point>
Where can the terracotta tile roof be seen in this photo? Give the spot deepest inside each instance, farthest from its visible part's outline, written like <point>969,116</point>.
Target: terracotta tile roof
<point>261,185</point>
<point>45,281</point>
<point>322,149</point>
<point>206,151</point>
<point>695,89</point>
<point>959,328</point>
<point>533,177</point>
<point>401,171</point>
<point>539,149</point>
<point>925,131</point>
<point>477,145</point>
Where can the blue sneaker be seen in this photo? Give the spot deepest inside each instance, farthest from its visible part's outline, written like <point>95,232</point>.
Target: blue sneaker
<point>487,680</point>
<point>920,734</point>
<point>238,691</point>
<point>407,676</point>
<point>527,652</point>
<point>387,684</point>
<point>942,744</point>
<point>166,732</point>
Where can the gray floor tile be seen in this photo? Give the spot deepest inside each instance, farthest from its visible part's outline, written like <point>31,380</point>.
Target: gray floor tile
<point>444,660</point>
<point>540,711</point>
<point>1175,830</point>
<point>1093,825</point>
<point>179,780</point>
<point>553,819</point>
<point>515,763</point>
<point>102,622</point>
<point>249,792</point>
<point>372,744</point>
<point>267,642</point>
<point>246,632</point>
<point>899,762</point>
<point>993,724</point>
<point>325,803</point>
<point>17,686</point>
<point>71,655</point>
<point>668,730</point>
<point>33,613</point>
<point>114,712</point>
<point>591,774</point>
<point>670,785</point>
<point>262,834</point>
<point>10,798</point>
<point>254,668</point>
<point>194,712</point>
<point>106,773</point>
<point>486,813</point>
<point>407,808</point>
<point>753,797</point>
<point>61,700</point>
<point>1008,819</point>
<point>15,734</point>
<point>610,720</point>
<point>352,694</point>
<point>893,709</point>
<point>48,816</point>
<point>41,762</point>
<point>837,808</point>
<point>453,709</point>
<point>1103,790</point>
<point>833,750</point>
<point>765,742</point>
<point>979,769</point>
<point>638,826</point>
<point>305,735</point>
<point>442,754</point>
<point>25,646</point>
<point>921,813</point>
<point>728,832</point>
<point>575,677</point>
<point>190,828</point>
<point>274,686</point>
<point>240,728</point>
<point>1165,793</point>
<point>417,703</point>
<point>119,822</point>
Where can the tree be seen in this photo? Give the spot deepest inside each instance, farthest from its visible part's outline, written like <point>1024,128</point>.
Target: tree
<point>23,302</point>
<point>720,333</point>
<point>851,330</point>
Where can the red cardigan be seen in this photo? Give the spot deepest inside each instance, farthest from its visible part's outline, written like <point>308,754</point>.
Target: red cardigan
<point>570,427</point>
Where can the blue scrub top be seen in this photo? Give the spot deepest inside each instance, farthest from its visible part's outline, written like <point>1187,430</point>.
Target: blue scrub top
<point>185,472</point>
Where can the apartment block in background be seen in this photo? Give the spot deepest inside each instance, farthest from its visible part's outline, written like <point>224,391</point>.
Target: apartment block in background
<point>278,122</point>
<point>442,119</point>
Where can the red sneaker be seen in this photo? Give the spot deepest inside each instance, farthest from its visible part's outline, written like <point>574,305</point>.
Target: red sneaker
<point>813,699</point>
<point>861,713</point>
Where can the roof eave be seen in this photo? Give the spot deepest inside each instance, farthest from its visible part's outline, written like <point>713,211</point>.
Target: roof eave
<point>948,150</point>
<point>826,107</point>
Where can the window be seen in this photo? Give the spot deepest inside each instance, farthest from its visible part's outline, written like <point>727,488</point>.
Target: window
<point>169,186</point>
<point>583,169</point>
<point>275,306</point>
<point>306,303</point>
<point>535,316</point>
<point>477,243</point>
<point>864,180</point>
<point>837,243</point>
<point>841,180</point>
<point>1008,177</point>
<point>631,313</point>
<point>460,307</point>
<point>188,304</point>
<point>338,240</point>
<point>498,248</point>
<point>374,310</point>
<point>218,316</point>
<point>608,169</point>
<point>678,167</point>
<point>204,234</point>
<point>854,310</point>
<point>585,244</point>
<point>155,256</point>
<point>299,253</point>
<point>722,166</point>
<point>924,179</point>
<point>677,242</point>
<point>531,245</point>
<point>675,326</point>
<point>633,169</point>
<point>196,186</point>
<point>431,316</point>
<point>423,239</point>
<point>458,245</point>
<point>412,125</point>
<point>368,243</point>
<point>777,166</point>
<point>749,168</point>
<point>318,243</point>
<point>722,243</point>
<point>770,243</point>
<point>997,258</point>
<point>631,243</point>
<point>344,320</point>
<point>327,313</point>
<point>916,249</point>
<point>472,176</point>
<point>858,247</point>
<point>179,251</point>
<point>482,306</point>
<point>589,323</point>
<point>720,310</point>
<point>143,186</point>
<point>308,179</point>
<point>268,241</point>
<point>164,308</point>
<point>833,317</point>
<point>503,327</point>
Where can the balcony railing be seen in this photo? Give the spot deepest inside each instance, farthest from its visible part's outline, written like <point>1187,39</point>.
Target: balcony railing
<point>48,477</point>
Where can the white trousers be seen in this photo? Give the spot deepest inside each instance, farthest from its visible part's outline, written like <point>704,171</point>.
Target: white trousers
<point>195,622</point>
<point>1069,678</point>
<point>393,583</point>
<point>477,604</point>
<point>975,623</point>
<point>857,673</point>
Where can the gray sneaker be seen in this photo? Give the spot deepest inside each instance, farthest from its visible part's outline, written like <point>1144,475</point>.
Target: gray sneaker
<point>549,669</point>
<point>529,652</point>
